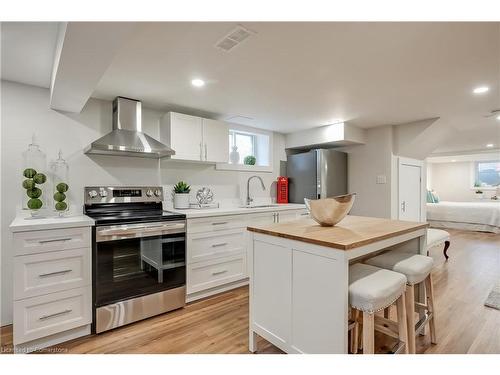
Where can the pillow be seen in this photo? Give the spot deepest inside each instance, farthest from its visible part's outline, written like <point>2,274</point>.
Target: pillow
<point>435,196</point>
<point>430,198</point>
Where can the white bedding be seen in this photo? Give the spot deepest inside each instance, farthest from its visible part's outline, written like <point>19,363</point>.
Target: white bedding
<point>484,213</point>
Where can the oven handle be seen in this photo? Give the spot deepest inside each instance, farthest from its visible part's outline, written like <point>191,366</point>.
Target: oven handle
<point>134,231</point>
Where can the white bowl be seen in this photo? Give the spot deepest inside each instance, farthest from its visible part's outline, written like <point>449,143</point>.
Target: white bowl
<point>329,211</point>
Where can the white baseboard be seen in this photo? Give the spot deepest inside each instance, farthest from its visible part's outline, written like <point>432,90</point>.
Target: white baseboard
<point>210,292</point>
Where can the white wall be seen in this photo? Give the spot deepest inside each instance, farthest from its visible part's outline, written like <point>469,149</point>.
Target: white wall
<point>25,110</point>
<point>453,181</point>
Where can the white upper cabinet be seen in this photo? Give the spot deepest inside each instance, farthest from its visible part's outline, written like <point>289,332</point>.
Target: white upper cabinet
<point>194,138</point>
<point>184,134</point>
<point>215,141</point>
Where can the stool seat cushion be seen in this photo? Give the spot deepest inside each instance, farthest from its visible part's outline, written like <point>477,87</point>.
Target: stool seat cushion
<point>372,289</point>
<point>415,267</point>
<point>436,237</point>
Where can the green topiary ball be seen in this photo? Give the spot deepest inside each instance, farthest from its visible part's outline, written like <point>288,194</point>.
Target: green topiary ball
<point>62,187</point>
<point>59,197</point>
<point>29,173</point>
<point>61,206</point>
<point>34,193</point>
<point>28,184</point>
<point>35,204</point>
<point>40,178</point>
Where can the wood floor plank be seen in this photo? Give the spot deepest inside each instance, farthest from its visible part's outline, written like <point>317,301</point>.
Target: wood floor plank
<point>220,324</point>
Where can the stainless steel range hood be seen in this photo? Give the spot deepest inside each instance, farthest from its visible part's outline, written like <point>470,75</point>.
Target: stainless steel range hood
<point>127,138</point>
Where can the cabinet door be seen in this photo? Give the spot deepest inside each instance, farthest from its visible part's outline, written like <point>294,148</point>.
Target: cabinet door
<point>215,141</point>
<point>186,136</point>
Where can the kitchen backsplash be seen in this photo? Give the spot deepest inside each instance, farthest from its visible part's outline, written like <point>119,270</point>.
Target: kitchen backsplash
<point>226,195</point>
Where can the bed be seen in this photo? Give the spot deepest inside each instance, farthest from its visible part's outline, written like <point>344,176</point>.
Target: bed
<point>481,216</point>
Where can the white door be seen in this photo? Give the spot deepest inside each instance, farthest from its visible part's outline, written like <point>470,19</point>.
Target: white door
<point>410,190</point>
<point>186,136</point>
<point>215,141</point>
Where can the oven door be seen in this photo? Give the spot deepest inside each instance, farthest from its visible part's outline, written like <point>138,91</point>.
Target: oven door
<point>133,260</point>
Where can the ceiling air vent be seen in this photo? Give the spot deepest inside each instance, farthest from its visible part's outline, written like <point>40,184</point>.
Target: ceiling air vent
<point>234,38</point>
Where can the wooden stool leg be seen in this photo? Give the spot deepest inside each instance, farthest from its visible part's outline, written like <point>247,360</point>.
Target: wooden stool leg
<point>410,317</point>
<point>368,333</point>
<point>355,332</point>
<point>387,312</point>
<point>402,324</point>
<point>430,307</point>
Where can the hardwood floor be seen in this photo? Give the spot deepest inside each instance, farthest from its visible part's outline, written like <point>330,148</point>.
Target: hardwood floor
<point>220,324</point>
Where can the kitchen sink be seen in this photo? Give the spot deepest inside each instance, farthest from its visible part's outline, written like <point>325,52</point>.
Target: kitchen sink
<point>260,205</point>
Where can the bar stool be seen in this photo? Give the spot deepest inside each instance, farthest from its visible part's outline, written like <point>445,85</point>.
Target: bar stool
<point>417,269</point>
<point>372,289</point>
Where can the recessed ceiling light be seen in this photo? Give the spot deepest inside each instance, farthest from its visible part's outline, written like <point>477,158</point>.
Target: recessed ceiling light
<point>490,145</point>
<point>453,160</point>
<point>498,117</point>
<point>198,82</point>
<point>481,90</point>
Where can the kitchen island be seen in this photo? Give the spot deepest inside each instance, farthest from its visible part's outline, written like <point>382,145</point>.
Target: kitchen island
<point>299,277</point>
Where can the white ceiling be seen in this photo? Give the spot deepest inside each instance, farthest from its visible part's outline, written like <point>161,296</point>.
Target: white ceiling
<point>28,52</point>
<point>292,76</point>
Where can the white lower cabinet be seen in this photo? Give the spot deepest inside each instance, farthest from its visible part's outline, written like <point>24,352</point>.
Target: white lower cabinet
<point>52,286</point>
<point>217,250</point>
<point>49,314</point>
<point>214,273</point>
<point>39,274</point>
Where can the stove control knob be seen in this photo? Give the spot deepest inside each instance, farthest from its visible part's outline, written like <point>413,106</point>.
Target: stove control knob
<point>149,193</point>
<point>92,193</point>
<point>158,192</point>
<point>103,193</point>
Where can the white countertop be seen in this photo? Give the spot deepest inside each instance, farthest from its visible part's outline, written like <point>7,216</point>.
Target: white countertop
<point>24,222</point>
<point>235,210</point>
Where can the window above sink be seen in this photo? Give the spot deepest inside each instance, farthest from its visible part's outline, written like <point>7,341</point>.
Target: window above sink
<point>247,141</point>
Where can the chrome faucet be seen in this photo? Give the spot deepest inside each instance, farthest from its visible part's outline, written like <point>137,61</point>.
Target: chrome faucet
<point>250,200</point>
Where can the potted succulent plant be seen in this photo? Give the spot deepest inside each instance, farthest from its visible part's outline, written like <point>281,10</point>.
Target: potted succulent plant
<point>181,195</point>
<point>249,160</point>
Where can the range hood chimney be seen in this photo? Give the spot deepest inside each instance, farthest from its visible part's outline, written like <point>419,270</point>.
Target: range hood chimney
<point>127,138</point>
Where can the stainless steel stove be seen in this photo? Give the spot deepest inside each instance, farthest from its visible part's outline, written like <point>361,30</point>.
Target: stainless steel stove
<point>139,255</point>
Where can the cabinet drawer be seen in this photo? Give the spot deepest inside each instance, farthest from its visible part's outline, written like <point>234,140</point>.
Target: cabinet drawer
<point>53,313</point>
<point>215,224</point>
<point>206,246</point>
<point>290,215</point>
<point>210,274</point>
<point>41,241</point>
<point>44,273</point>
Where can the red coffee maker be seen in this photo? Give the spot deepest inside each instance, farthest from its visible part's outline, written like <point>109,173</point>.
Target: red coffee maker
<point>282,190</point>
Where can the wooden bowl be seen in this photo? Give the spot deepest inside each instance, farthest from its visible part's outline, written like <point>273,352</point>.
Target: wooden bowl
<point>329,211</point>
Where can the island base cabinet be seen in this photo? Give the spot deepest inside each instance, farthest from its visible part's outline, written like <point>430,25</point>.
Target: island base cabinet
<point>297,310</point>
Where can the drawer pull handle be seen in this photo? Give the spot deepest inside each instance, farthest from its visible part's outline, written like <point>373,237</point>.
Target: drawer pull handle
<point>220,223</point>
<point>54,240</point>
<point>45,317</point>
<point>219,244</point>
<point>218,272</point>
<point>54,273</point>
<point>305,214</point>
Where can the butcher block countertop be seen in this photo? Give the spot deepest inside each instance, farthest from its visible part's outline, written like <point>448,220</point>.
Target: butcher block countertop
<point>352,232</point>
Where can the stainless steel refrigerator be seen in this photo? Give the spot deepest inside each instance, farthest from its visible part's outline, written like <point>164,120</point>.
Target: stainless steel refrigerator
<point>316,174</point>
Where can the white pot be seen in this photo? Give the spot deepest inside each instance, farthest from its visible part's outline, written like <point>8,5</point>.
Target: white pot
<point>181,200</point>
<point>234,156</point>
